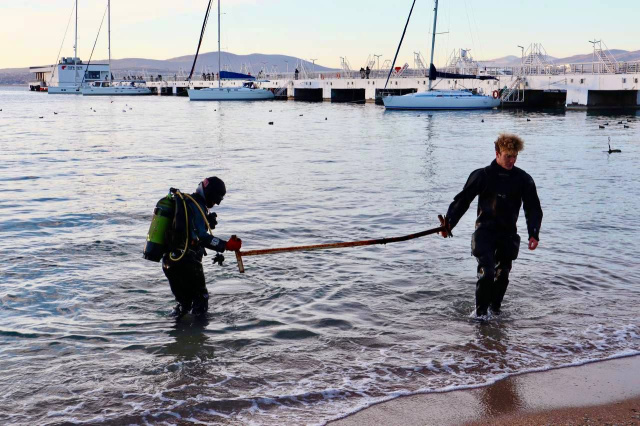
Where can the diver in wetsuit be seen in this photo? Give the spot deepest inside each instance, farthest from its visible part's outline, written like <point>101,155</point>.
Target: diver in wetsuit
<point>185,273</point>
<point>501,189</point>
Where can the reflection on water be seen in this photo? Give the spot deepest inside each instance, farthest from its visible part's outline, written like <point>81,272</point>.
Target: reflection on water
<point>501,397</point>
<point>190,340</point>
<point>300,338</point>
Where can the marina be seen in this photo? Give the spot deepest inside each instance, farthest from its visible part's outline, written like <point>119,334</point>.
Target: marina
<point>532,85</point>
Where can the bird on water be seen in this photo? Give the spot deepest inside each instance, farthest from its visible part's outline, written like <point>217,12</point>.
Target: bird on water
<point>612,150</point>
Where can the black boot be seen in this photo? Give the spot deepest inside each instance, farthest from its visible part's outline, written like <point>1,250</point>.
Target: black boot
<point>201,305</point>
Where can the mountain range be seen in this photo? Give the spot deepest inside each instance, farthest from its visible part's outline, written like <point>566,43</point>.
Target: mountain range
<point>253,63</point>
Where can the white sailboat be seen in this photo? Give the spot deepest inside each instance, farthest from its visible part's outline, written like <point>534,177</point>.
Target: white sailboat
<point>439,99</point>
<point>248,92</point>
<point>110,87</point>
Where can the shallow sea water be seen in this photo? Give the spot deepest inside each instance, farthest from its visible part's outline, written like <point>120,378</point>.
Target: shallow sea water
<point>301,338</point>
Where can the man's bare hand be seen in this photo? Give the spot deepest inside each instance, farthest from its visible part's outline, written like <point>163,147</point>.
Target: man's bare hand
<point>533,243</point>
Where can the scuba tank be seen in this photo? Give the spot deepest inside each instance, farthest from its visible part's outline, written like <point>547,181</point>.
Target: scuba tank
<point>157,237</point>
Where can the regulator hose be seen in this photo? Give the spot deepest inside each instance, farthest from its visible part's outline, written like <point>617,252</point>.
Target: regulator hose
<point>186,220</point>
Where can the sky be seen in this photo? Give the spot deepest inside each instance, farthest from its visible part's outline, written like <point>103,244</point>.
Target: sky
<point>32,31</point>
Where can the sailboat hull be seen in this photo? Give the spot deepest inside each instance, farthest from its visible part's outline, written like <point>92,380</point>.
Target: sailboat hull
<point>230,94</point>
<point>441,99</point>
<point>69,90</point>
<point>115,91</point>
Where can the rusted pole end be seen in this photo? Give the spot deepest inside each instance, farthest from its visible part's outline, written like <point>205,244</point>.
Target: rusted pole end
<point>240,264</point>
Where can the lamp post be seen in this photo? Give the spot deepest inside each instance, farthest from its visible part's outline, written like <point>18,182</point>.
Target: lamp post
<point>521,54</point>
<point>593,63</point>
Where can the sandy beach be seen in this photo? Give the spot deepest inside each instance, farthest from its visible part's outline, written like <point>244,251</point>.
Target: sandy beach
<point>606,392</point>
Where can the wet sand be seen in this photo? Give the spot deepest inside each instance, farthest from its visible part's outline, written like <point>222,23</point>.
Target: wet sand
<point>606,392</point>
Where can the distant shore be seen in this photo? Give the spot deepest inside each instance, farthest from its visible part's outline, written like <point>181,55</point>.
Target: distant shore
<point>595,393</point>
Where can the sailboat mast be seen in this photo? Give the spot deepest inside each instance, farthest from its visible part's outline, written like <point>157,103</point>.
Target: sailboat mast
<point>109,31</point>
<point>433,38</point>
<point>75,50</point>
<point>219,79</point>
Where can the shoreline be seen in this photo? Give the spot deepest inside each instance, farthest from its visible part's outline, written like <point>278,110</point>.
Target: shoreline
<point>598,392</point>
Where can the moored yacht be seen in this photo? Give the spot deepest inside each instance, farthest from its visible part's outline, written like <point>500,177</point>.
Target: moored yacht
<point>109,86</point>
<point>249,90</point>
<point>440,99</point>
<point>115,88</point>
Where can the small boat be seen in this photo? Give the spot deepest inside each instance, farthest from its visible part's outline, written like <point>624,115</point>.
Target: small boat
<point>440,99</point>
<point>248,92</point>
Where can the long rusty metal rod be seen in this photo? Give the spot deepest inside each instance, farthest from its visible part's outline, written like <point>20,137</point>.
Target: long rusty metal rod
<point>241,254</point>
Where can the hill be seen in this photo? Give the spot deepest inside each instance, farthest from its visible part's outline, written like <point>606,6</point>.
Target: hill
<point>253,63</point>
<point>207,62</point>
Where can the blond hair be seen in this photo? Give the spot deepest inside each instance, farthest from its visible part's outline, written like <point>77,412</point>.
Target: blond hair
<point>509,143</point>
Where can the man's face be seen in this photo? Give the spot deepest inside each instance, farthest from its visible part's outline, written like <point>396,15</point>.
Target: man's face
<point>506,159</point>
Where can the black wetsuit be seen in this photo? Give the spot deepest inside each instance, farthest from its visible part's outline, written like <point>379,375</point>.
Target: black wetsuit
<point>186,276</point>
<point>495,242</point>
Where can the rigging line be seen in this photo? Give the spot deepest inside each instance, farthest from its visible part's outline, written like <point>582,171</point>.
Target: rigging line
<point>400,44</point>
<point>84,75</point>
<point>475,22</point>
<point>204,25</point>
<point>466,11</point>
<point>62,44</point>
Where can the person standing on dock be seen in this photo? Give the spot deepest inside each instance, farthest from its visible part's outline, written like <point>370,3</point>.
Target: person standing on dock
<point>183,268</point>
<point>501,189</point>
